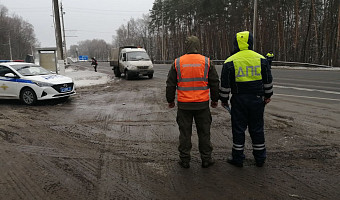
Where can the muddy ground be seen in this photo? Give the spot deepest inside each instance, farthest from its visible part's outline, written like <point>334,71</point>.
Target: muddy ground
<point>119,141</point>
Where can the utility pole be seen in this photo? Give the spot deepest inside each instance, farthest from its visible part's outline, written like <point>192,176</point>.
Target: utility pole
<point>58,30</point>
<point>64,42</point>
<point>254,23</point>
<point>128,32</point>
<point>77,52</point>
<point>10,45</point>
<point>163,32</point>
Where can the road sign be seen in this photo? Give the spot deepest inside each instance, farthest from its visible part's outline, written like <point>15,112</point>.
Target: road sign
<point>83,57</point>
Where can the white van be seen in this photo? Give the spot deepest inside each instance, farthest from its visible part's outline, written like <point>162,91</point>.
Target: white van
<point>131,61</point>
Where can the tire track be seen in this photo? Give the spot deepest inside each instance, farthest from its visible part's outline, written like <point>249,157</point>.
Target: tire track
<point>17,180</point>
<point>119,182</point>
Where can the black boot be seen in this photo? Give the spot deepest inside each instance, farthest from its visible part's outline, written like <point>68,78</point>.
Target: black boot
<point>235,163</point>
<point>183,164</point>
<point>208,163</point>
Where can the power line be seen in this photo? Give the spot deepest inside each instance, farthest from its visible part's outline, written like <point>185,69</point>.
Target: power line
<point>104,10</point>
<point>101,13</point>
<point>88,31</point>
<point>29,8</point>
<point>75,8</point>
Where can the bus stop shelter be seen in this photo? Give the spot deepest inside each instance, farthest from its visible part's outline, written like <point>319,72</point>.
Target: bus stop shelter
<point>48,58</point>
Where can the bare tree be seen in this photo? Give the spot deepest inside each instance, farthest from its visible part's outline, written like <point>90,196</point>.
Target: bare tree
<point>135,32</point>
<point>336,56</point>
<point>97,48</point>
<point>295,30</point>
<point>17,38</point>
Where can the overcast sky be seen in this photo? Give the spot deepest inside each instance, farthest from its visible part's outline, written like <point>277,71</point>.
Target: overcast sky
<point>85,19</point>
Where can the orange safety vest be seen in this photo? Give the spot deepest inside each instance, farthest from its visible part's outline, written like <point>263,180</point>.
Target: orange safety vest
<point>192,78</point>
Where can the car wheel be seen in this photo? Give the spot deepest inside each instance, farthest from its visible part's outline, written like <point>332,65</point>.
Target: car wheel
<point>150,76</point>
<point>117,72</point>
<point>28,96</point>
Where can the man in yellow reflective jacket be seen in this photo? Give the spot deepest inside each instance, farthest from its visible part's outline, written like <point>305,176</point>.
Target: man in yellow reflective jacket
<point>247,76</point>
<point>194,77</point>
<point>270,57</point>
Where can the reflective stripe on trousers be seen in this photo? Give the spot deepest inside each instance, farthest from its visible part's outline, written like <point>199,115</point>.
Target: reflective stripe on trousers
<point>247,112</point>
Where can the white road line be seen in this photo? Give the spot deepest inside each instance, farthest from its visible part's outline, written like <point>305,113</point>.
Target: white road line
<point>306,89</point>
<point>304,80</point>
<point>288,95</point>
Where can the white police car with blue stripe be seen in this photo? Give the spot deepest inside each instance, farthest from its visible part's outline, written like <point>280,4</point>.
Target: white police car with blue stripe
<point>30,83</point>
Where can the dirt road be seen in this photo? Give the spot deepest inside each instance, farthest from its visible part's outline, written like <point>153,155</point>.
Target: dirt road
<point>119,141</point>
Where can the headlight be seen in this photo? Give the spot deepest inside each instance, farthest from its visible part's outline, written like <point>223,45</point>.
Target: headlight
<point>42,84</point>
<point>151,67</point>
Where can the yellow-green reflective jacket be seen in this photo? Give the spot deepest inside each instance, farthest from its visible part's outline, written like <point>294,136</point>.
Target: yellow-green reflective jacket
<point>247,64</point>
<point>246,72</point>
<point>270,55</point>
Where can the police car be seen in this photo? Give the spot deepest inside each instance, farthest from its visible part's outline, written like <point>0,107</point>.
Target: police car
<point>30,82</point>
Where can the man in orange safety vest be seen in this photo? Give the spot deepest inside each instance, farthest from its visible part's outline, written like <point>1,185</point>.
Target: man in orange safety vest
<point>194,77</point>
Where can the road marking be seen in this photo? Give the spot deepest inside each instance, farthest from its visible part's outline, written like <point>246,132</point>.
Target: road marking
<point>306,89</point>
<point>304,80</point>
<point>320,98</point>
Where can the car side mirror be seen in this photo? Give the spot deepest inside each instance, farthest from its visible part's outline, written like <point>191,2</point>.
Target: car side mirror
<point>10,75</point>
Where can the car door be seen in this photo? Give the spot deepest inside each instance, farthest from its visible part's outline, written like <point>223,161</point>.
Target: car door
<point>122,62</point>
<point>8,85</point>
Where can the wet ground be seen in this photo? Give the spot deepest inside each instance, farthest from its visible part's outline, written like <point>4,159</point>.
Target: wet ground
<point>119,141</point>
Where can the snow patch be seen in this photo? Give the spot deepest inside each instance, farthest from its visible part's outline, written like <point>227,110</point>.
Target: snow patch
<point>84,78</point>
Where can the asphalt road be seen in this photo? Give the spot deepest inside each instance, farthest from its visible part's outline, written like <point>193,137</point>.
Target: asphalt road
<point>321,85</point>
<point>119,140</point>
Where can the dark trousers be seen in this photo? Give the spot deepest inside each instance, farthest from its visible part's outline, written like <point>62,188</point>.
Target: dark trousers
<point>247,112</point>
<point>203,121</point>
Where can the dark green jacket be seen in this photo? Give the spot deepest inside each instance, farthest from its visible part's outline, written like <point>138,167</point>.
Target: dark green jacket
<point>171,85</point>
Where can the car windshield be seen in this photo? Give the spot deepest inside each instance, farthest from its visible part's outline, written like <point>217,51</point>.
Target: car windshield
<point>30,70</point>
<point>137,55</point>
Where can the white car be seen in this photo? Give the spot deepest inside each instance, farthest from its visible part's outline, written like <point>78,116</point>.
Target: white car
<point>30,82</point>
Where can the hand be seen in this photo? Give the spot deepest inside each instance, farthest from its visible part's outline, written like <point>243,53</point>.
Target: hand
<point>214,104</point>
<point>171,105</point>
<point>267,100</point>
